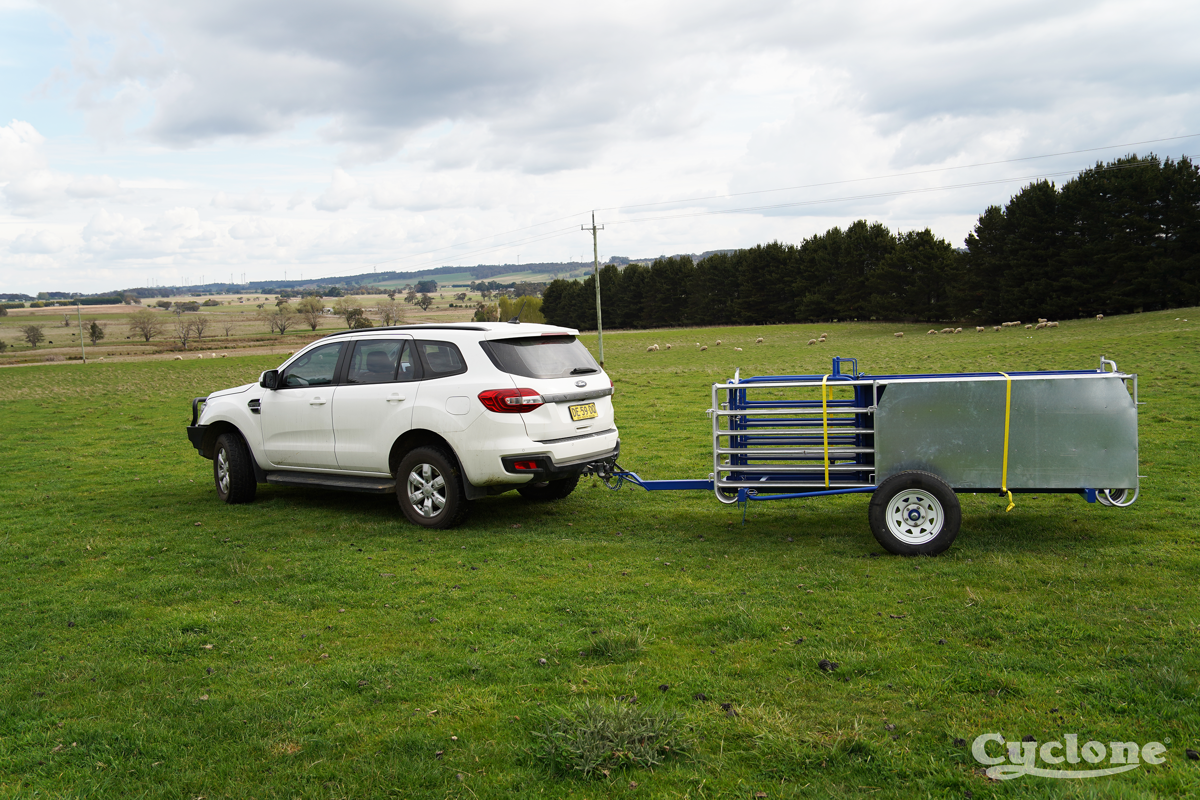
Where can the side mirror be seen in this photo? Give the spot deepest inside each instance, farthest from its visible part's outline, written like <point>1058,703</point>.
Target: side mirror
<point>269,379</point>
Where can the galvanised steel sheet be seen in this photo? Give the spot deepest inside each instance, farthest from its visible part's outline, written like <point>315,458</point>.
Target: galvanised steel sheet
<point>1065,433</point>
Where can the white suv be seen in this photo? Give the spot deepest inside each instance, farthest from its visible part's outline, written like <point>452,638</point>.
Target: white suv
<point>439,414</point>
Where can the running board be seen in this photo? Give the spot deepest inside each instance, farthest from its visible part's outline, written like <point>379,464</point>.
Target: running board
<point>346,483</point>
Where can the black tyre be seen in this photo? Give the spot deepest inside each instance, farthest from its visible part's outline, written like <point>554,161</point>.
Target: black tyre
<point>430,489</point>
<point>914,514</point>
<point>549,490</point>
<point>232,470</point>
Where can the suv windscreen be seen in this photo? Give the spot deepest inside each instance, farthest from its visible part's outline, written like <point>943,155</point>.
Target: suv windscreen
<point>542,356</point>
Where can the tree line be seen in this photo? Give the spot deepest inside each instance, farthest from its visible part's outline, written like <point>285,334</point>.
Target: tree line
<point>1118,238</point>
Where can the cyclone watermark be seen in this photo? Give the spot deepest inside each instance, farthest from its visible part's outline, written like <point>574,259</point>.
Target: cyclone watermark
<point>1008,760</point>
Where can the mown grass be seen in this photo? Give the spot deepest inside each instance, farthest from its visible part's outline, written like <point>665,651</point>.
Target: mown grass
<point>156,643</point>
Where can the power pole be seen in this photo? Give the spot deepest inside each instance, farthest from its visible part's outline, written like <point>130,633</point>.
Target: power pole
<point>79,312</point>
<point>596,272</point>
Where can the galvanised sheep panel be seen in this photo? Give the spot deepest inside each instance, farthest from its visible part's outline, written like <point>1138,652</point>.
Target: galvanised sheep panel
<point>1065,433</point>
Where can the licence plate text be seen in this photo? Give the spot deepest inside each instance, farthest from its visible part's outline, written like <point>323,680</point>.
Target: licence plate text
<point>585,411</point>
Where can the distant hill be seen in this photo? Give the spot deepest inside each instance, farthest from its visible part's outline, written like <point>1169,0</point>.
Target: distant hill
<point>541,272</point>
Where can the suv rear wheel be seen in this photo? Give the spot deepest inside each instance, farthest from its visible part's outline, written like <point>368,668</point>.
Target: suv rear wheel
<point>549,490</point>
<point>430,490</point>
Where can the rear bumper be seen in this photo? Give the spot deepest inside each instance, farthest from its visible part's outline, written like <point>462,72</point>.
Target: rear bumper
<point>544,467</point>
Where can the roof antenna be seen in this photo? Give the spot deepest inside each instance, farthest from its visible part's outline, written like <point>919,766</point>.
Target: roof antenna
<point>517,319</point>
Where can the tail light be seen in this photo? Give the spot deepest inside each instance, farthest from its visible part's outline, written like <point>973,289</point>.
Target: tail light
<point>510,401</point>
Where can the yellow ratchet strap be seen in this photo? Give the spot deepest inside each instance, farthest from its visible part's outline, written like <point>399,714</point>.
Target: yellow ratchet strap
<point>1004,469</point>
<point>825,428</point>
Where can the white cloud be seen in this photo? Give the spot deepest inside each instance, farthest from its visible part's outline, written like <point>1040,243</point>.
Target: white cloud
<point>91,186</point>
<point>39,242</point>
<point>20,150</point>
<point>251,201</point>
<point>251,229</point>
<point>266,134</point>
<point>341,192</point>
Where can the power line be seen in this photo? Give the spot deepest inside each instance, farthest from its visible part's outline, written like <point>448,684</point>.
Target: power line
<point>874,195</point>
<point>474,241</point>
<point>898,174</point>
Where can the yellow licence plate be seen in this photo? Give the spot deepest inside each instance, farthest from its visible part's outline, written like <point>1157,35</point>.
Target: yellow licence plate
<point>585,411</point>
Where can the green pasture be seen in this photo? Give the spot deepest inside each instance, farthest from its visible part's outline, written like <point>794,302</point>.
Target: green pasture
<point>155,643</point>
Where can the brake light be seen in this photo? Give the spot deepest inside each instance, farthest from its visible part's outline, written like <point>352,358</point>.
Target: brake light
<point>510,401</point>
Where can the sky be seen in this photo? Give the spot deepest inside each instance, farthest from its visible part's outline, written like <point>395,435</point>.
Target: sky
<point>146,143</point>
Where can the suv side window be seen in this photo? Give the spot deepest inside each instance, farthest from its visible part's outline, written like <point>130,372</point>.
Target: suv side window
<point>382,361</point>
<point>441,359</point>
<point>314,368</point>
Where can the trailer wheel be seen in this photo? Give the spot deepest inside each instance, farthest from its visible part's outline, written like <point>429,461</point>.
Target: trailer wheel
<point>914,514</point>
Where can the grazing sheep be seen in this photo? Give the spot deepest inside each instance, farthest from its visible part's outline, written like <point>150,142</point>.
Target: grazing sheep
<point>656,348</point>
<point>824,336</point>
<point>898,335</point>
<point>812,341</point>
<point>703,347</point>
<point>650,349</point>
<point>179,358</point>
<point>1051,324</point>
<point>932,333</point>
<point>718,342</point>
<point>737,349</point>
<point>1028,327</point>
<point>1099,317</point>
<point>224,355</point>
<point>758,340</point>
<point>979,329</point>
<point>1041,320</point>
<point>668,347</point>
<point>996,328</point>
<point>958,330</point>
<point>1039,326</point>
<point>821,340</point>
<point>697,344</point>
<point>947,330</point>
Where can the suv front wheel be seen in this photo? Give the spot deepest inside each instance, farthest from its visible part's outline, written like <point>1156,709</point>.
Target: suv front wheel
<point>430,490</point>
<point>232,472</point>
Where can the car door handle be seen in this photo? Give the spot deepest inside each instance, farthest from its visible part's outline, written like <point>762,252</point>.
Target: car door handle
<point>396,398</point>
<point>316,401</point>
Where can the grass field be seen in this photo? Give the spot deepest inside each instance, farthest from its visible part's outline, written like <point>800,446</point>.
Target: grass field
<point>156,643</point>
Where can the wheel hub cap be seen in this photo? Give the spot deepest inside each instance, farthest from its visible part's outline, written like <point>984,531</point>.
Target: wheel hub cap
<point>914,516</point>
<point>426,490</point>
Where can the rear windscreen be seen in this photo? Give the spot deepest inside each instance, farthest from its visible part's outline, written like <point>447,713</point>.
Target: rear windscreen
<point>542,356</point>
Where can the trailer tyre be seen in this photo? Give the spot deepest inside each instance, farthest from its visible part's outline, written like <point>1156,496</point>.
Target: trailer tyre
<point>914,514</point>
